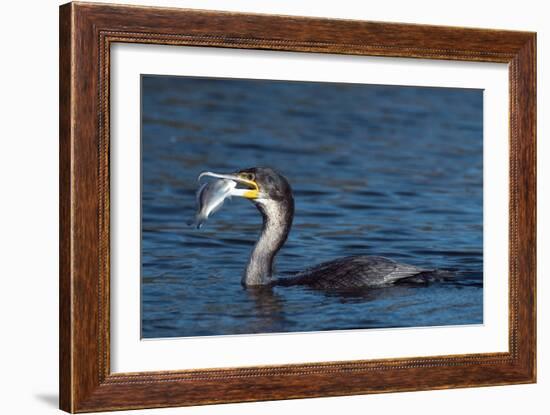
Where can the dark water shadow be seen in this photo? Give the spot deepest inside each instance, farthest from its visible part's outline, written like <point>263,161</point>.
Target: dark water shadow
<point>266,301</point>
<point>366,295</point>
<point>269,307</point>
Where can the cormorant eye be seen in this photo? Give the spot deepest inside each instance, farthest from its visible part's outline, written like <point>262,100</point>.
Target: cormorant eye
<point>248,176</point>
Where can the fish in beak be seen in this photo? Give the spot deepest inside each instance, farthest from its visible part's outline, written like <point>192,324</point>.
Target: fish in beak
<point>250,189</point>
<point>210,198</point>
<point>211,195</point>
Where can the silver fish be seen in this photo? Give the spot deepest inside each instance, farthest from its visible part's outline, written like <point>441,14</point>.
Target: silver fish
<point>210,198</point>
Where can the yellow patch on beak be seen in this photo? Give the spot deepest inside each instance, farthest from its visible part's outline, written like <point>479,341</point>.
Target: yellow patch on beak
<point>251,194</point>
<point>254,192</point>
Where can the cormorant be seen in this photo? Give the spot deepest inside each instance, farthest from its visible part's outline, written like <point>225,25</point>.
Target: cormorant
<point>272,195</point>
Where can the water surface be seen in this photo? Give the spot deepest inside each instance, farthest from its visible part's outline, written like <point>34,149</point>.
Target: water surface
<point>378,170</point>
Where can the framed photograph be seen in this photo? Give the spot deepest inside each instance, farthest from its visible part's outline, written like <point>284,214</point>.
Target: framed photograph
<point>258,207</point>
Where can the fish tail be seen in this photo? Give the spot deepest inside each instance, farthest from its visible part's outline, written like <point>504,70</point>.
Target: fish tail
<point>198,221</point>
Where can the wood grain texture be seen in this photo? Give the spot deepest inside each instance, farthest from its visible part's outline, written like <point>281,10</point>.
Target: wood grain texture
<point>65,246</point>
<point>86,33</point>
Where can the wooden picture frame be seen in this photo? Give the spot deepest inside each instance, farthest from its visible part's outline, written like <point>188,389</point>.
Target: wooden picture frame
<point>86,33</point>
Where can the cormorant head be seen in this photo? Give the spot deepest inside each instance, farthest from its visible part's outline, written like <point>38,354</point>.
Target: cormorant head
<point>259,184</point>
<point>267,184</point>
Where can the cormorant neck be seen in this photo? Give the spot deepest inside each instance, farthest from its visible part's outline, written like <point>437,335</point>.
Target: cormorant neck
<point>277,220</point>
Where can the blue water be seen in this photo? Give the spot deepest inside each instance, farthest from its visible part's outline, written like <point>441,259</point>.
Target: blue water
<point>378,170</point>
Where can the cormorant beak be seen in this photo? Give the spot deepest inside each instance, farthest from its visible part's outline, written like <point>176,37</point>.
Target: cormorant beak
<point>252,191</point>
